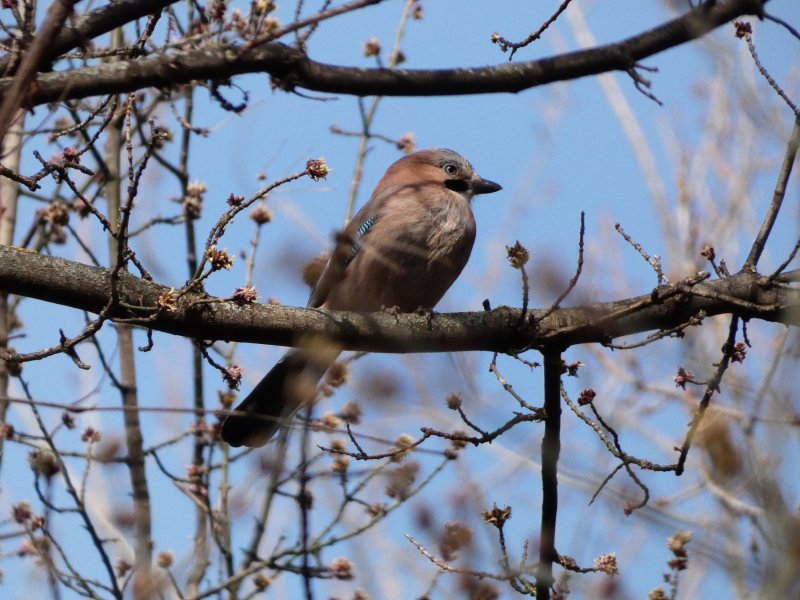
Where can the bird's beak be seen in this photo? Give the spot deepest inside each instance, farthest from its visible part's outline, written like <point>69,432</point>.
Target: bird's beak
<point>483,186</point>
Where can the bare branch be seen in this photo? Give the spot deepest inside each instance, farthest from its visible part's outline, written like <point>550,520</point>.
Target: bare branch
<point>551,448</point>
<point>87,288</point>
<point>777,198</point>
<point>32,61</point>
<point>95,23</point>
<point>292,68</point>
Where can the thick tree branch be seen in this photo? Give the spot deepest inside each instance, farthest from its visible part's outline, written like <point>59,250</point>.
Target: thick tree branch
<point>292,68</point>
<point>551,449</point>
<point>84,287</point>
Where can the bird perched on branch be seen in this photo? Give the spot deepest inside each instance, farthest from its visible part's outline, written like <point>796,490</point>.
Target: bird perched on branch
<point>403,250</point>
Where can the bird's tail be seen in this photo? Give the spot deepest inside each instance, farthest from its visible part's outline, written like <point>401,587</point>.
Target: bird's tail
<point>290,385</point>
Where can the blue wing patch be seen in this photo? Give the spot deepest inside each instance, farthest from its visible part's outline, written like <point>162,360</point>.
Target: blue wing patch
<point>365,227</point>
<point>360,232</point>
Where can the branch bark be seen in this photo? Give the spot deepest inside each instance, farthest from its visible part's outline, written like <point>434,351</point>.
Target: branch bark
<point>56,280</point>
<point>551,449</point>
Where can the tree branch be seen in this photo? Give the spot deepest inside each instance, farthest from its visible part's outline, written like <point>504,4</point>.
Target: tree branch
<point>292,68</point>
<point>32,61</point>
<point>96,23</point>
<point>84,287</point>
<point>551,448</point>
<point>777,198</point>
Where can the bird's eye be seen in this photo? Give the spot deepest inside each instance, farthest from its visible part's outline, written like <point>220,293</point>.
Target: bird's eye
<point>451,169</point>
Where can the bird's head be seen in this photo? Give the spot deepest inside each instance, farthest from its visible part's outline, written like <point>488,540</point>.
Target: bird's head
<point>440,167</point>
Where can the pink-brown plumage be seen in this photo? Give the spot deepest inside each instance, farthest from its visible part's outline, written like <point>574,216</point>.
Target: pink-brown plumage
<point>403,249</point>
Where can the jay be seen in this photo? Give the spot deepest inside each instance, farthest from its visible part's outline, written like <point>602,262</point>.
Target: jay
<point>403,250</point>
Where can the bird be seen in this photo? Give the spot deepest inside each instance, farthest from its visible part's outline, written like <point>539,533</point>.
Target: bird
<point>402,251</point>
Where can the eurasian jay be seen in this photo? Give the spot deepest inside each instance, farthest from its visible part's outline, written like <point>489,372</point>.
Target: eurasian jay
<point>403,250</point>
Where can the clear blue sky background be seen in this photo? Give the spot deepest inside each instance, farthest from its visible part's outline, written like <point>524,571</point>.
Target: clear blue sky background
<point>557,151</point>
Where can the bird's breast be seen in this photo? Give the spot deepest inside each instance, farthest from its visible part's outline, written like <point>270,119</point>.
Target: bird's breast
<point>451,230</point>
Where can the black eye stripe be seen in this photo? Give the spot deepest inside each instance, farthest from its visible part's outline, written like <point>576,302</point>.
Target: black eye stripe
<point>457,185</point>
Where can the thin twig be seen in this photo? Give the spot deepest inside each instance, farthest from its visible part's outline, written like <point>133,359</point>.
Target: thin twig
<point>625,458</point>
<point>462,571</point>
<point>646,492</point>
<point>32,60</point>
<point>81,508</point>
<point>654,261</point>
<point>578,269</point>
<point>777,199</point>
<point>763,70</point>
<point>780,21</point>
<point>514,46</point>
<point>785,263</point>
<point>713,386</point>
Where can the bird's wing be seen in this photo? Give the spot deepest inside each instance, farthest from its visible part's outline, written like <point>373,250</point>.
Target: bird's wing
<point>346,247</point>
